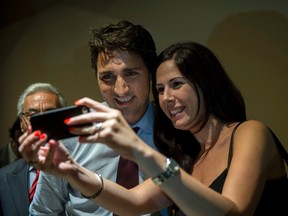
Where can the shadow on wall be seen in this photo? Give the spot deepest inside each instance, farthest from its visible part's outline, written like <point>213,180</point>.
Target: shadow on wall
<point>253,47</point>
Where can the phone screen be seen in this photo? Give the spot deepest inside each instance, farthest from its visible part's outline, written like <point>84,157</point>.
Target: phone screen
<point>52,122</point>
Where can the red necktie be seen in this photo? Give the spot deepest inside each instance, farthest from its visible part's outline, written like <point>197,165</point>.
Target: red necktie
<point>127,174</point>
<point>33,187</point>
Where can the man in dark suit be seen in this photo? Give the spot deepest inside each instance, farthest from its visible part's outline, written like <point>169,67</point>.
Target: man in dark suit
<point>14,192</point>
<point>16,178</point>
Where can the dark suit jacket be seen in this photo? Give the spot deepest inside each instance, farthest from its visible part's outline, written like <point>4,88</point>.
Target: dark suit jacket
<point>4,156</point>
<point>14,192</point>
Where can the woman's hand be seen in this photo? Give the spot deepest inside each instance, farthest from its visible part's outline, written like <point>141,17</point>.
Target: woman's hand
<point>110,127</point>
<point>52,158</point>
<point>30,144</point>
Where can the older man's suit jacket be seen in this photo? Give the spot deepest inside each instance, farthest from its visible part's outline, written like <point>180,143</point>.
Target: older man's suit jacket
<point>14,191</point>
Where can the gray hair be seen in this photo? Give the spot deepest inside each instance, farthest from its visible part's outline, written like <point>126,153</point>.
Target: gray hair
<point>38,87</point>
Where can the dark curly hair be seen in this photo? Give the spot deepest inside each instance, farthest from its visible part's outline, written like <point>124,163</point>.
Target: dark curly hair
<point>125,36</point>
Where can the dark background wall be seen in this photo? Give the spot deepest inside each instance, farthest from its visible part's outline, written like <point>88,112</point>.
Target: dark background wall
<point>46,40</point>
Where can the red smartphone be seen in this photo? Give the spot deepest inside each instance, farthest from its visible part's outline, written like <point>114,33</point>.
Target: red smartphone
<point>52,122</point>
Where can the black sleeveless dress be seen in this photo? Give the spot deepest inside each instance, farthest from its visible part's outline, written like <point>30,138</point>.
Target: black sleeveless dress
<point>274,199</point>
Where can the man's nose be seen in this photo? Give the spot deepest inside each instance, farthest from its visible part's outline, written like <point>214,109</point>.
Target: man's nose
<point>121,87</point>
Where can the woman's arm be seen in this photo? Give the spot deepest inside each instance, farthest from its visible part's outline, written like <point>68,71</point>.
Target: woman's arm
<point>253,153</point>
<point>253,162</point>
<point>55,159</point>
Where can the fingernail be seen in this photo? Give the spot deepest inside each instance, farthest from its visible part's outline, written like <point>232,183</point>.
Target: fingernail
<point>66,120</point>
<point>76,102</point>
<point>37,133</point>
<point>42,136</point>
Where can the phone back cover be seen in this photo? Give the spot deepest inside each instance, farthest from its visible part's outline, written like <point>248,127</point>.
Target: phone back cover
<point>52,122</point>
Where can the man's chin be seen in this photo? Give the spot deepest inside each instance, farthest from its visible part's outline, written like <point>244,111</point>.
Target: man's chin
<point>131,117</point>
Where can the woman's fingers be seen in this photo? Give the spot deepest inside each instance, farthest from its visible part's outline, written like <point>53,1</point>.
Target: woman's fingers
<point>30,144</point>
<point>97,106</point>
<point>50,153</point>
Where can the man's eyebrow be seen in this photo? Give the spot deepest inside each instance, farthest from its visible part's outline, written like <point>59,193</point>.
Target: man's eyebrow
<point>105,72</point>
<point>131,69</point>
<point>32,109</point>
<point>38,110</point>
<point>128,69</point>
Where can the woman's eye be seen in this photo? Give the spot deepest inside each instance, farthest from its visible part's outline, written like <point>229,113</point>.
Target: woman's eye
<point>160,89</point>
<point>177,84</point>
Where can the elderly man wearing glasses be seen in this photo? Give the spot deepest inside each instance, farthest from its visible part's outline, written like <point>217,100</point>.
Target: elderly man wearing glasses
<point>17,178</point>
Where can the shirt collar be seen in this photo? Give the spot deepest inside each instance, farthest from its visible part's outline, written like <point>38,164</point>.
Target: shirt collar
<point>146,123</point>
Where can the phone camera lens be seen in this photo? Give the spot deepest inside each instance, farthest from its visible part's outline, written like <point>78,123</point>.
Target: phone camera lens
<point>85,110</point>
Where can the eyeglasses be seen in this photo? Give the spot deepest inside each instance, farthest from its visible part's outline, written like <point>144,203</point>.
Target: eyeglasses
<point>28,114</point>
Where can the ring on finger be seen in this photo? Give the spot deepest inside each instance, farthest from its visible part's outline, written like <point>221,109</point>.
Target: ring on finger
<point>98,126</point>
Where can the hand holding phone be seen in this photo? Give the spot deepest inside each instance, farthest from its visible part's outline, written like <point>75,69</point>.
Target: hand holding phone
<point>52,122</point>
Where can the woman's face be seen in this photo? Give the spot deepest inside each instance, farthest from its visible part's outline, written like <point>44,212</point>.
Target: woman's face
<point>177,96</point>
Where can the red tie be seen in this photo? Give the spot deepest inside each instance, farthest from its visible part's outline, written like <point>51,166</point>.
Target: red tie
<point>127,174</point>
<point>33,187</point>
